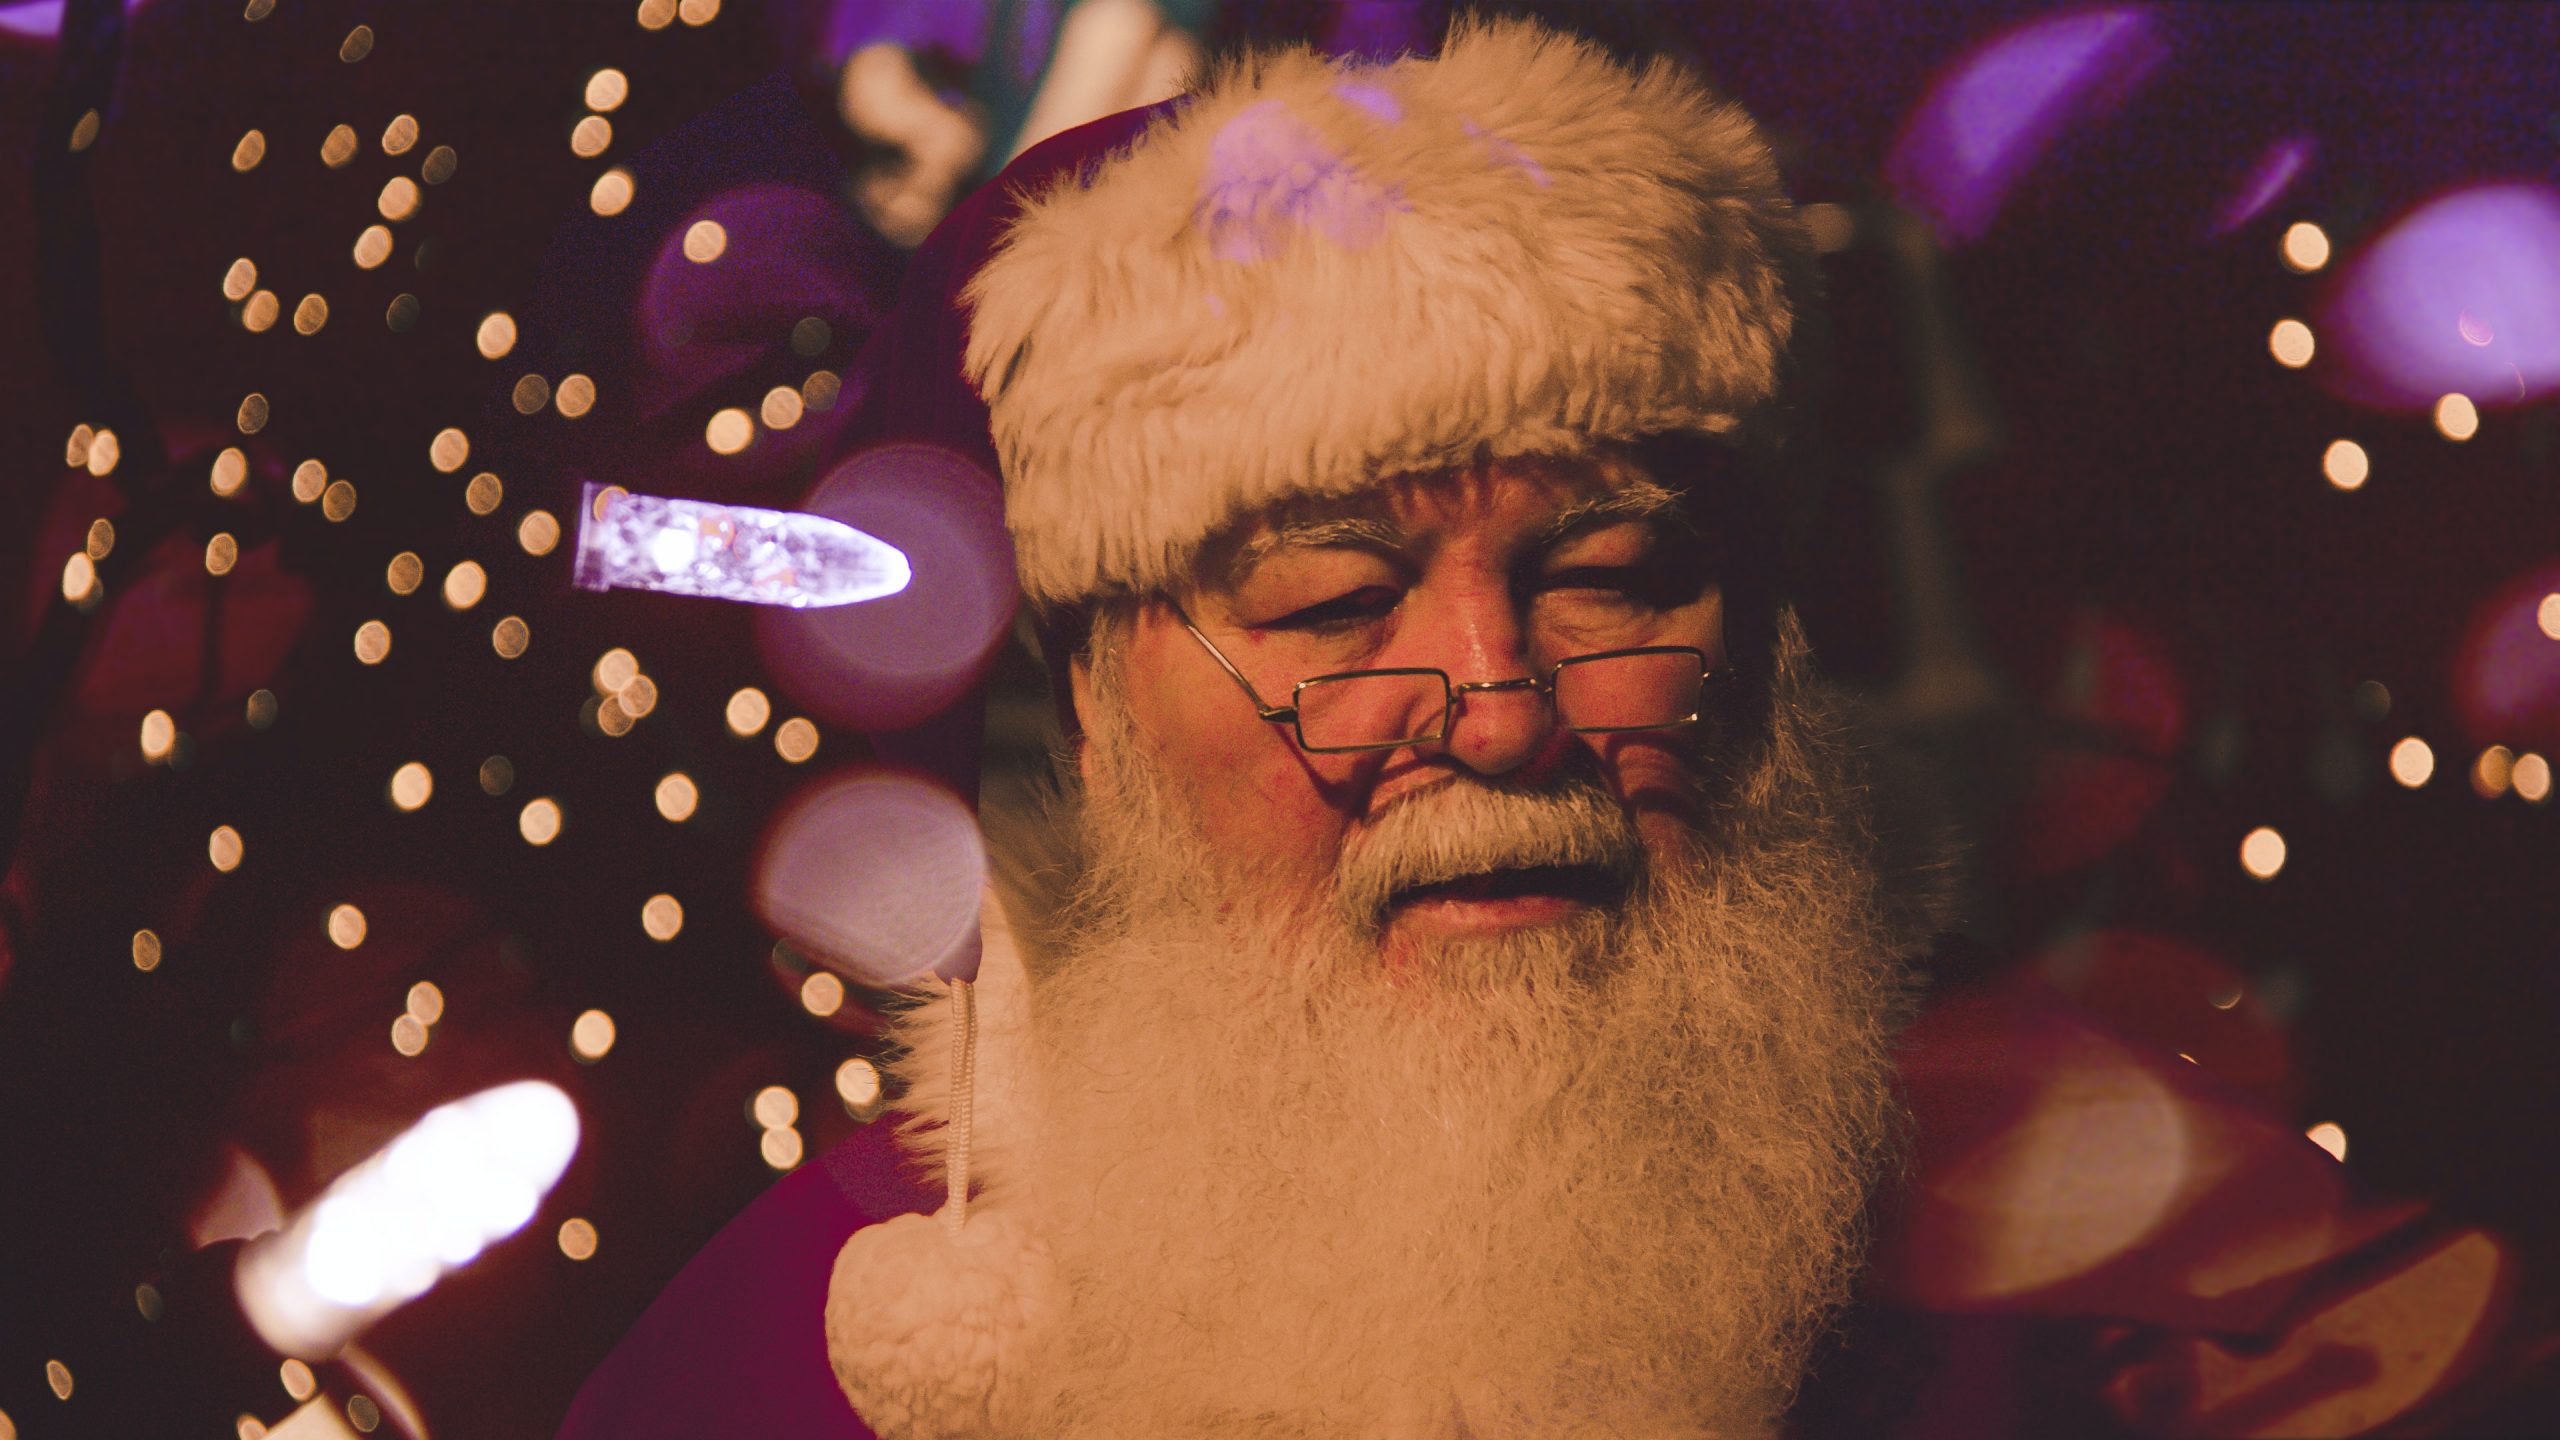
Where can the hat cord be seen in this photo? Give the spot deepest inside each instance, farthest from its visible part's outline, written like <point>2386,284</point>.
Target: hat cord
<point>964,1082</point>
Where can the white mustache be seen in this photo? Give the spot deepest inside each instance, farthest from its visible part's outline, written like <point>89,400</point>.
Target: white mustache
<point>1463,828</point>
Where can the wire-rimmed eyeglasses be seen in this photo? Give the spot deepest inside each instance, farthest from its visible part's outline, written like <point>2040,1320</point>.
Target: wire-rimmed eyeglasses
<point>1607,692</point>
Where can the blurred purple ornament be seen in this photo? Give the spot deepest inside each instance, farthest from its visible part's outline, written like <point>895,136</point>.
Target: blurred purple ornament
<point>2461,296</point>
<point>876,876</point>
<point>2265,183</point>
<point>901,660</point>
<point>1985,123</point>
<point>729,552</point>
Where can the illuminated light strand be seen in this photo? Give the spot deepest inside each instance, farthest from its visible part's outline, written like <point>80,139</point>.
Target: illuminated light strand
<point>730,552</point>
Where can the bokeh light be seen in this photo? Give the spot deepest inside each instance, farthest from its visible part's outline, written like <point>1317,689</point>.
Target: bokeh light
<point>373,642</point>
<point>259,314</point>
<point>729,431</point>
<point>2412,762</point>
<point>781,1147</point>
<point>591,1035</point>
<point>662,917</point>
<point>346,926</point>
<point>338,501</point>
<point>464,584</point>
<point>2493,772</point>
<point>577,1238</point>
<point>613,669</point>
<point>676,796</point>
<point>876,874</point>
<point>2532,777</point>
<point>399,199</point>
<point>497,334</point>
<point>2305,247</point>
<point>357,45</point>
<point>795,740</point>
<point>261,709</point>
<point>2506,670</point>
<point>221,553</point>
<point>426,1001</point>
<point>539,821</point>
<point>747,711</point>
<point>2262,853</point>
<point>237,282</point>
<point>705,241</point>
<point>310,315</point>
<point>575,396</point>
<point>251,149</point>
<point>442,161</point>
<point>339,147</point>
<point>146,950</point>
<point>484,493</point>
<point>612,192</point>
<point>2460,295</point>
<point>657,14</point>
<point>2546,615</point>
<point>408,1036</point>
<point>449,449</point>
<point>781,408</point>
<point>159,732</point>
<point>412,785</point>
<point>821,994</point>
<point>2346,464</point>
<point>497,775</point>
<point>372,247</point>
<point>230,471</point>
<point>531,393</point>
<point>2329,1136</point>
<point>2456,417</point>
<point>591,136</point>
<point>858,1086</point>
<point>404,572</point>
<point>607,89</point>
<point>224,848</point>
<point>400,134</point>
<point>298,1379</point>
<point>2291,343</point>
<point>774,1106</point>
<point>698,12</point>
<point>538,532</point>
<point>510,636</point>
<point>309,479</point>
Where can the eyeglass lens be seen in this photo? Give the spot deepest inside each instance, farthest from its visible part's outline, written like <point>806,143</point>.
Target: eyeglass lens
<point>1602,692</point>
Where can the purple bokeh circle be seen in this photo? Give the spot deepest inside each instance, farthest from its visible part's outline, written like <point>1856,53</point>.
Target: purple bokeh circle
<point>2460,295</point>
<point>875,875</point>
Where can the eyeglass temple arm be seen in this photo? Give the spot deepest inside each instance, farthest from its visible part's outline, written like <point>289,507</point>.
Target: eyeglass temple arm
<point>1276,714</point>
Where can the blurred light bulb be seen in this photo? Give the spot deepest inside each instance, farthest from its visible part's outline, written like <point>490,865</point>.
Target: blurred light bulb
<point>730,552</point>
<point>2262,853</point>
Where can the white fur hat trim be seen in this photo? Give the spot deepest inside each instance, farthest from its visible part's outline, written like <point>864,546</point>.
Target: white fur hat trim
<point>1318,272</point>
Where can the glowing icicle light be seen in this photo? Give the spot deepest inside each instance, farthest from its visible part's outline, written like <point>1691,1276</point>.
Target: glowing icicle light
<point>469,1174</point>
<point>730,552</point>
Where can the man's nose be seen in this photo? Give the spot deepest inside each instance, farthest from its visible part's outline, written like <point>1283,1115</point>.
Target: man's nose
<point>1500,718</point>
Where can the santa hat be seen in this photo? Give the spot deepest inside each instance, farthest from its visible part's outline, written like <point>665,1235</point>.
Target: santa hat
<point>1315,272</point>
<point>1309,275</point>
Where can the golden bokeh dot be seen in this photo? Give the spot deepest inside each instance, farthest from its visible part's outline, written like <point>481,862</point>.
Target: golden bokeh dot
<point>657,14</point>
<point>426,1001</point>
<point>613,669</point>
<point>261,709</point>
<point>821,994</point>
<point>591,1035</point>
<point>795,740</point>
<point>2532,778</point>
<point>698,12</point>
<point>2457,418</point>
<point>497,775</point>
<point>159,732</point>
<point>464,584</point>
<point>411,785</point>
<point>538,532</point>
<point>104,451</point>
<point>575,396</point>
<point>407,1035</point>
<point>484,493</point>
<point>2262,853</point>
<point>230,470</point>
<point>248,1427</point>
<point>858,1086</point>
<point>441,162</point>
<point>339,148</point>
<point>2305,247</point>
<point>774,1106</point>
<point>747,711</point>
<point>400,314</point>
<point>676,796</point>
<point>781,408</point>
<point>705,241</point>
<point>253,413</point>
<point>101,540</point>
<point>729,431</point>
<point>781,1147</point>
<point>2412,762</point>
<point>224,848</point>
<point>497,334</point>
<point>251,149</point>
<point>509,637</point>
<point>79,577</point>
<point>607,89</point>
<point>404,572</point>
<point>811,337</point>
<point>2346,464</point>
<point>2291,343</point>
<point>57,1378</point>
<point>2329,1135</point>
<point>237,282</point>
<point>400,134</point>
<point>398,200</point>
<point>346,926</point>
<point>820,390</point>
<point>146,950</point>
<point>373,642</point>
<point>298,1379</point>
<point>258,10</point>
<point>309,478</point>
<point>449,449</point>
<point>590,137</point>
<point>639,697</point>
<point>84,131</point>
<point>310,315</point>
<point>75,451</point>
<point>612,192</point>
<point>662,917</point>
<point>539,821</point>
<point>258,316</point>
<point>363,1412</point>
<point>611,718</point>
<point>604,500</point>
<point>338,501</point>
<point>357,45</point>
<point>221,553</point>
<point>532,392</point>
<point>577,1239</point>
<point>2493,772</point>
<point>2546,616</point>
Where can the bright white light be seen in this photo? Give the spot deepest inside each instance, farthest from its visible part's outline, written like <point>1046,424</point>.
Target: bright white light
<point>467,1175</point>
<point>730,552</point>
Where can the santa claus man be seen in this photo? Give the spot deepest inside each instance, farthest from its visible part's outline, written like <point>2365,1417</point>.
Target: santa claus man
<point>1467,1014</point>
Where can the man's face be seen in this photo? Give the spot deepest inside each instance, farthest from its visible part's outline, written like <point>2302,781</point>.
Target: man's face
<point>1490,574</point>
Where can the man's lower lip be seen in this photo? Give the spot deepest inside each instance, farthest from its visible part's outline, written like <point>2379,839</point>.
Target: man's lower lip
<point>1509,912</point>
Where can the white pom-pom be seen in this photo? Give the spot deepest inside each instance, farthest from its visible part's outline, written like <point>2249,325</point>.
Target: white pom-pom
<point>922,1320</point>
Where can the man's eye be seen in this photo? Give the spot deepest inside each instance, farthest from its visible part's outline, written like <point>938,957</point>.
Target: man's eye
<point>1363,606</point>
<point>1613,584</point>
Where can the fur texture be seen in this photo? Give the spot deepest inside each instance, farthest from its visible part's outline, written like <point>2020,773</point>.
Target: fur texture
<point>1319,272</point>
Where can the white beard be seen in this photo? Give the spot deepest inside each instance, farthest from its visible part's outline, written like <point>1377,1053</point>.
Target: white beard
<point>1603,1178</point>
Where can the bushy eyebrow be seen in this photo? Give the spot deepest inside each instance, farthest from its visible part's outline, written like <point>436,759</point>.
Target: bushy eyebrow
<point>1636,500</point>
<point>1359,532</point>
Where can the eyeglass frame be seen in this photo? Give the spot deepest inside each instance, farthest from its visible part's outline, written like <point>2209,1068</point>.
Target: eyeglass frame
<point>1453,687</point>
